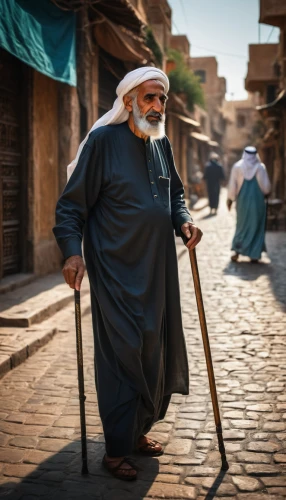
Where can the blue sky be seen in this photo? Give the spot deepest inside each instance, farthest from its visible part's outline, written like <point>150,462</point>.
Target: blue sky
<point>222,28</point>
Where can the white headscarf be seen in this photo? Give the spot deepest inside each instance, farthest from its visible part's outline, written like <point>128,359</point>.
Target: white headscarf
<point>250,162</point>
<point>118,113</point>
<point>245,169</point>
<point>213,156</point>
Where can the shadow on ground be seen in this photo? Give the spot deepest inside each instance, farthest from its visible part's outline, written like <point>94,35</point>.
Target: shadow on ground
<point>36,287</point>
<point>59,477</point>
<point>208,216</point>
<point>275,270</point>
<point>215,486</point>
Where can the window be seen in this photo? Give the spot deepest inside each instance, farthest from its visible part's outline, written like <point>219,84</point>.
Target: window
<point>240,121</point>
<point>202,75</point>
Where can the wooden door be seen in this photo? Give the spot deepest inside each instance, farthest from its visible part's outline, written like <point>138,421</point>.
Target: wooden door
<point>10,164</point>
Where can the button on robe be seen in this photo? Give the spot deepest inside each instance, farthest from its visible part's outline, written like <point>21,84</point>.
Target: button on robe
<point>126,198</point>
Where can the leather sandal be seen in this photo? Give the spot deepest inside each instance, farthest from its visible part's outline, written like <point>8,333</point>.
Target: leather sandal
<point>152,448</point>
<point>234,257</point>
<point>120,472</point>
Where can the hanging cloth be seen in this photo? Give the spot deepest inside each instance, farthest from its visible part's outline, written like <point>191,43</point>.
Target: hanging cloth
<point>41,35</point>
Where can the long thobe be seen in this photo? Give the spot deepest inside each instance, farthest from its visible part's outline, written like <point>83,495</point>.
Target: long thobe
<point>249,238</point>
<point>213,176</point>
<point>125,198</point>
<point>248,186</point>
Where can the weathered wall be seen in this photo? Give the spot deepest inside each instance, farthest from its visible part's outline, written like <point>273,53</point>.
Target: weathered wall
<point>181,43</point>
<point>45,172</point>
<point>237,135</point>
<point>272,12</point>
<point>214,89</point>
<point>208,64</point>
<point>69,129</point>
<point>261,69</point>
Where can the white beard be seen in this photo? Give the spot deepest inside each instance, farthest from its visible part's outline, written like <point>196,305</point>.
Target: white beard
<point>155,129</point>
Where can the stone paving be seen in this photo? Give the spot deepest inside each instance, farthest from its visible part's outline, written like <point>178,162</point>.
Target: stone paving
<point>245,308</point>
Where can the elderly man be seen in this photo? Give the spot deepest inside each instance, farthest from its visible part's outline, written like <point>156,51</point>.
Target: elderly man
<point>126,198</point>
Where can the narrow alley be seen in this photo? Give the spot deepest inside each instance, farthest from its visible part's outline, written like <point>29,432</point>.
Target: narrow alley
<point>245,307</point>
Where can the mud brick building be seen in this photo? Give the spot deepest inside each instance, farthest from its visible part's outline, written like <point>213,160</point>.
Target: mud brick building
<point>267,76</point>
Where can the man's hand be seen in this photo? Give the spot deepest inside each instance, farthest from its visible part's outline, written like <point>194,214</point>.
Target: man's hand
<point>193,233</point>
<point>228,203</point>
<point>73,271</point>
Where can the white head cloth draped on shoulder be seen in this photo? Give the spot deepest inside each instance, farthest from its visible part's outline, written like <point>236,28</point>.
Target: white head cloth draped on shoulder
<point>250,162</point>
<point>118,113</point>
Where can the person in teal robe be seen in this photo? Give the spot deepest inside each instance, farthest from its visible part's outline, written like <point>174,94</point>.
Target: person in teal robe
<point>249,184</point>
<point>125,199</point>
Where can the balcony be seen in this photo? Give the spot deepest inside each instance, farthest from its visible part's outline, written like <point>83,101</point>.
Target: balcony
<point>159,13</point>
<point>273,12</point>
<point>261,67</point>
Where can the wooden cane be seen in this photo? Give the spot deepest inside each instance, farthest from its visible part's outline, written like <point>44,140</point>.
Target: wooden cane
<point>82,398</point>
<point>204,330</point>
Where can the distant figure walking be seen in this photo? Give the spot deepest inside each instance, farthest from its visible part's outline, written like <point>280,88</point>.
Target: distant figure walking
<point>249,184</point>
<point>213,176</point>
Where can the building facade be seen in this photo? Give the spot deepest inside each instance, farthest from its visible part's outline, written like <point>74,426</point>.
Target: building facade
<point>267,76</point>
<point>214,87</point>
<point>43,119</point>
<point>243,125</point>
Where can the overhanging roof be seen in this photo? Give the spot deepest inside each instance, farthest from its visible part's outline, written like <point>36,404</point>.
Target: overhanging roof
<point>185,119</point>
<point>200,137</point>
<point>118,11</point>
<point>121,43</point>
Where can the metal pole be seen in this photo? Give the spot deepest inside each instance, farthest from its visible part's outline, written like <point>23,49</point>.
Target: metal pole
<point>82,398</point>
<point>204,330</point>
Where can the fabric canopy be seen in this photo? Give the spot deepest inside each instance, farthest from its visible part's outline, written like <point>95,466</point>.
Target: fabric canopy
<point>121,43</point>
<point>200,137</point>
<point>41,35</point>
<point>185,119</point>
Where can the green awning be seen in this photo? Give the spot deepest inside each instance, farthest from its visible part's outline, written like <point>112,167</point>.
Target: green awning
<point>41,35</point>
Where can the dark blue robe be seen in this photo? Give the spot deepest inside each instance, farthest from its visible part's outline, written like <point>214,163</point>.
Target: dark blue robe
<point>126,197</point>
<point>213,176</point>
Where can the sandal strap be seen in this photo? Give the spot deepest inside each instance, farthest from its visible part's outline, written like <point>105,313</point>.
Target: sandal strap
<point>132,464</point>
<point>118,467</point>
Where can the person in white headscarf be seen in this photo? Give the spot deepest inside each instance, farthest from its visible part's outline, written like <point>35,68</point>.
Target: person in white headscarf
<point>249,184</point>
<point>125,196</point>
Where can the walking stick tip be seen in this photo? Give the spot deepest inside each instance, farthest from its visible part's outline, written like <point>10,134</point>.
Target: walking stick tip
<point>84,470</point>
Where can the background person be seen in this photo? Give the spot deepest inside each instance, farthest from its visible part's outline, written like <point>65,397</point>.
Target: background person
<point>249,184</point>
<point>213,175</point>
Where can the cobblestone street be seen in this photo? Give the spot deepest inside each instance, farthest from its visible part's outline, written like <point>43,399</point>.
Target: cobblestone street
<point>245,309</point>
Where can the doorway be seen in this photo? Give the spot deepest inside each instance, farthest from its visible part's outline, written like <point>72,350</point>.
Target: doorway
<point>11,165</point>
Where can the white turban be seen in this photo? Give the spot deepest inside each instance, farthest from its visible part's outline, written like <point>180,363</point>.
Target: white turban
<point>118,113</point>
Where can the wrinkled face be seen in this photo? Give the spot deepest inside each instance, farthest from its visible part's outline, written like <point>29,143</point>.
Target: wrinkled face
<point>148,108</point>
<point>151,100</point>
